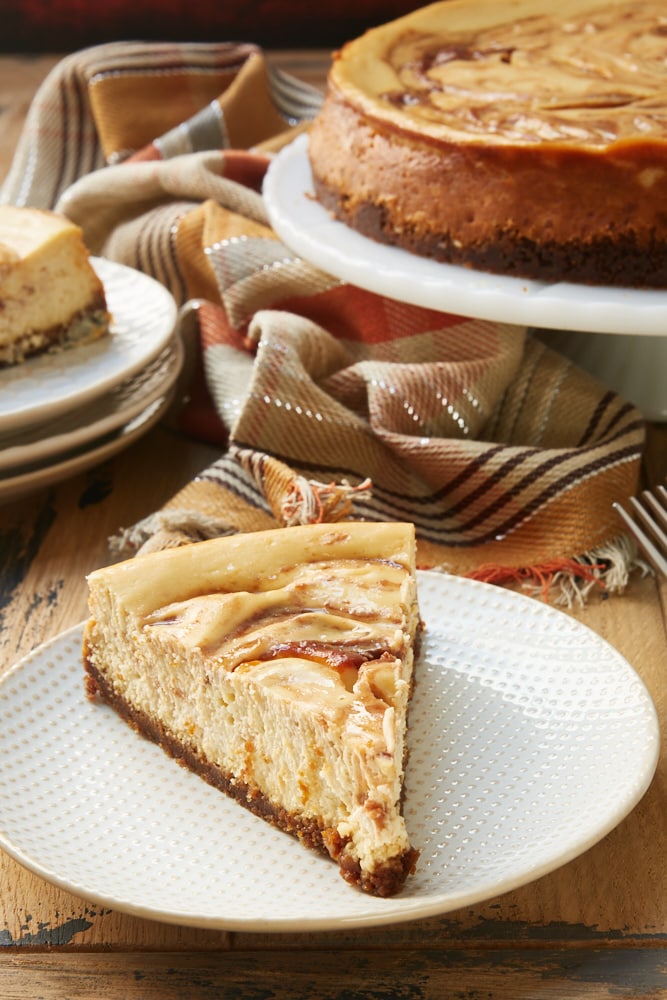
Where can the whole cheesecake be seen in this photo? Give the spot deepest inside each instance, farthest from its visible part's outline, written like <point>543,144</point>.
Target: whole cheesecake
<point>278,665</point>
<point>525,138</point>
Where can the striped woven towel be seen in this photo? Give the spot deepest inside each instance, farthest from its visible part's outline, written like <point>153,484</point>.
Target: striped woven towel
<point>326,401</point>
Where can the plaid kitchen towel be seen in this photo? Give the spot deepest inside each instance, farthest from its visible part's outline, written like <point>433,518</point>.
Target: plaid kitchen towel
<point>326,401</point>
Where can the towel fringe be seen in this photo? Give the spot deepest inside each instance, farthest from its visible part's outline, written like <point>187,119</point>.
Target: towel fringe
<point>568,582</point>
<point>310,502</point>
<point>168,528</point>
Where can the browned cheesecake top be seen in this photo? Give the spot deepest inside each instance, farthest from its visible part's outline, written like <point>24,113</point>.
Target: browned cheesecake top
<point>582,72</point>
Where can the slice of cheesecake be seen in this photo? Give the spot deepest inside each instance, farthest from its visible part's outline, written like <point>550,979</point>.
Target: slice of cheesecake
<point>50,293</point>
<point>278,665</point>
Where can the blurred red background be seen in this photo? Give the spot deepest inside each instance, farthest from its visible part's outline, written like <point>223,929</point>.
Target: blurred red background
<point>66,25</point>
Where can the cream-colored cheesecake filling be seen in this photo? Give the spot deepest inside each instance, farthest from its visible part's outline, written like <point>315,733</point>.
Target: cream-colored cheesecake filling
<point>313,740</point>
<point>589,73</point>
<point>49,291</point>
<point>297,686</point>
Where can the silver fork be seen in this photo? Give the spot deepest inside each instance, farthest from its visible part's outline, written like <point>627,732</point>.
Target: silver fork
<point>649,527</point>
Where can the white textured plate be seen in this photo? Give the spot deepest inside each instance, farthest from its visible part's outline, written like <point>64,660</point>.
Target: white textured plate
<point>530,738</point>
<point>309,230</point>
<point>23,482</point>
<point>76,428</point>
<point>144,315</point>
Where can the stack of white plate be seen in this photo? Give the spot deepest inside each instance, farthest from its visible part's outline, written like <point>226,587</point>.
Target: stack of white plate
<point>64,412</point>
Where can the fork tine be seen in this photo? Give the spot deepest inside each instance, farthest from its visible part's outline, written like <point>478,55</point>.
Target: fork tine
<point>652,501</point>
<point>646,543</point>
<point>647,516</point>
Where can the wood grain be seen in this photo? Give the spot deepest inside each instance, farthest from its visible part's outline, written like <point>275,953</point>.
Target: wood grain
<point>427,973</point>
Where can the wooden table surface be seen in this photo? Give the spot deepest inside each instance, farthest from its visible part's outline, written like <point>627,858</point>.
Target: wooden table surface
<point>596,927</point>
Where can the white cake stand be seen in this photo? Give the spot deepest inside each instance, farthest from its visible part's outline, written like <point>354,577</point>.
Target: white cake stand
<point>628,351</point>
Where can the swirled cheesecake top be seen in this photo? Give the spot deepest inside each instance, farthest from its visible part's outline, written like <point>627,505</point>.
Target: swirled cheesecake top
<point>582,72</point>
<point>311,608</point>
